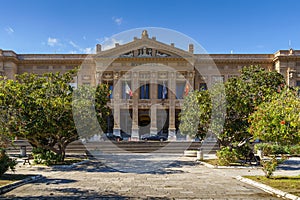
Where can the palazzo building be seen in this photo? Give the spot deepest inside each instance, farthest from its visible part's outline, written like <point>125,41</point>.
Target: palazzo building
<point>148,78</point>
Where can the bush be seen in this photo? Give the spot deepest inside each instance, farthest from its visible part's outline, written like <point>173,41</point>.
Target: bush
<point>273,149</point>
<point>46,157</point>
<point>6,162</point>
<point>227,155</point>
<point>294,150</point>
<point>270,166</point>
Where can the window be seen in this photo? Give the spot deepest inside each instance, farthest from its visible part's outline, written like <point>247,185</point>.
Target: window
<point>202,86</point>
<point>111,88</point>
<point>162,91</point>
<point>144,91</point>
<point>180,90</point>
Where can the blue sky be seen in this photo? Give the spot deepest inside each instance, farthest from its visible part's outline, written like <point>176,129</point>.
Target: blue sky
<point>220,26</point>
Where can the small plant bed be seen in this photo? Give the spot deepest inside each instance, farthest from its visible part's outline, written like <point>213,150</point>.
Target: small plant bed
<point>67,161</point>
<point>6,179</point>
<point>290,184</point>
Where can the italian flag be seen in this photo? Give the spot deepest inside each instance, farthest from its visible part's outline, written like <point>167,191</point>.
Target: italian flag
<point>128,90</point>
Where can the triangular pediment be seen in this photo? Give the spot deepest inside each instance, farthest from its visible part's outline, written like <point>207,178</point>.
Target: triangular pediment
<point>144,48</point>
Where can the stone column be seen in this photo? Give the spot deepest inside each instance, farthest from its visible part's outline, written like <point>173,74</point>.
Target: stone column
<point>116,104</point>
<point>135,108</point>
<point>172,99</point>
<point>153,97</point>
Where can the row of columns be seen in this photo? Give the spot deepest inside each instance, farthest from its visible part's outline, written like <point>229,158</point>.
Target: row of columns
<point>118,103</point>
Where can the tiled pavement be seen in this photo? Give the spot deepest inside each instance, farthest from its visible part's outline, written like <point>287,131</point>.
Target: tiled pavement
<point>183,179</point>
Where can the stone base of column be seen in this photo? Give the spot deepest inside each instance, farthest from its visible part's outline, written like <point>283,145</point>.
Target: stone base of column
<point>135,134</point>
<point>172,134</point>
<point>117,132</point>
<point>153,131</point>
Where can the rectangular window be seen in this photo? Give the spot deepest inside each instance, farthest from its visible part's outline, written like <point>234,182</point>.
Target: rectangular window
<point>111,88</point>
<point>162,90</point>
<point>202,86</point>
<point>126,90</point>
<point>180,90</point>
<point>144,91</point>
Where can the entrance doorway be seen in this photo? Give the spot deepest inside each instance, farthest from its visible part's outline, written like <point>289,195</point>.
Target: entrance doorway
<point>162,121</point>
<point>126,121</point>
<point>144,122</point>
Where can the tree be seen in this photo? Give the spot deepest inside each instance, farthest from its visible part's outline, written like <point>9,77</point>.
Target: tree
<point>195,114</point>
<point>278,120</point>
<point>243,94</point>
<point>230,121</point>
<point>90,110</point>
<point>40,110</point>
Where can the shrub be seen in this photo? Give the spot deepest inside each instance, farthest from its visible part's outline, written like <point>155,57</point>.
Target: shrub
<point>270,166</point>
<point>6,163</point>
<point>294,150</point>
<point>273,149</point>
<point>46,157</point>
<point>227,155</point>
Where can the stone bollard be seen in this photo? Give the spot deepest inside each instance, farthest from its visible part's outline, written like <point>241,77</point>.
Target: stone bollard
<point>200,154</point>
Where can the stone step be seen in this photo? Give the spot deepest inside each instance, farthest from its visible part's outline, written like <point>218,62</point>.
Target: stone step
<point>77,147</point>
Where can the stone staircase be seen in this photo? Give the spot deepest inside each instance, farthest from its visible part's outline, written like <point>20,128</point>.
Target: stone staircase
<point>112,147</point>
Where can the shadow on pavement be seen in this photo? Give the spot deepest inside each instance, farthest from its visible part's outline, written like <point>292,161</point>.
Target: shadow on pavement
<point>133,165</point>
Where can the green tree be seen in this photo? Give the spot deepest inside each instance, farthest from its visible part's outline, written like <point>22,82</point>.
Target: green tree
<point>278,121</point>
<point>243,95</point>
<point>230,121</point>
<point>40,110</point>
<point>90,110</point>
<point>195,114</point>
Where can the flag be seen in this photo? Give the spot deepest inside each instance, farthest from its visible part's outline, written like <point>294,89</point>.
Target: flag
<point>186,89</point>
<point>164,91</point>
<point>128,90</point>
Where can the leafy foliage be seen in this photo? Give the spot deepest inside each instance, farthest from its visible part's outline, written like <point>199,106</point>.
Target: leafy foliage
<point>244,94</point>
<point>90,110</point>
<point>6,163</point>
<point>278,120</point>
<point>269,166</point>
<point>228,118</point>
<point>275,149</point>
<point>195,114</point>
<point>39,108</point>
<point>226,156</point>
<point>45,156</point>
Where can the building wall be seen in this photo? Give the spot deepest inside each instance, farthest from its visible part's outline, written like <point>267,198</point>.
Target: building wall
<point>117,67</point>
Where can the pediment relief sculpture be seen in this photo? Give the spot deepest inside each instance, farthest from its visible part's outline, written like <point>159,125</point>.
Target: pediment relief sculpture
<point>145,52</point>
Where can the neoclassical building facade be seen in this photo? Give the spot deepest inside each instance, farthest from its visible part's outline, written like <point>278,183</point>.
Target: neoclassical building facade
<point>148,79</point>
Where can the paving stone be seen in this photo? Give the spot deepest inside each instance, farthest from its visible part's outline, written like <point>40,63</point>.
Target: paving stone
<point>95,181</point>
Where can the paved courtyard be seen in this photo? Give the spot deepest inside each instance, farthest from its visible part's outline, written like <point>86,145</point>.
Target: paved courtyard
<point>182,179</point>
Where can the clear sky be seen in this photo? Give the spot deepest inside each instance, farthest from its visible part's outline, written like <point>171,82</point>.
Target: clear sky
<point>220,26</point>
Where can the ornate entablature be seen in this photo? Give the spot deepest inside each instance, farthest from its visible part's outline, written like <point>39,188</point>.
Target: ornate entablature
<point>145,52</point>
